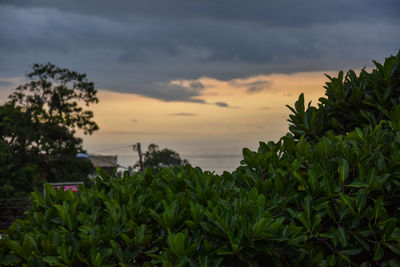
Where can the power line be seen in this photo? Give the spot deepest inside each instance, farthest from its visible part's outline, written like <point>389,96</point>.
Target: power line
<point>113,148</point>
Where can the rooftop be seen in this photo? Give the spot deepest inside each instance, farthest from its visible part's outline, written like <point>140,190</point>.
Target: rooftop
<point>103,160</point>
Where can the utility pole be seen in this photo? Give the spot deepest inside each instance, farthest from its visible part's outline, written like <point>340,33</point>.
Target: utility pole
<point>138,148</point>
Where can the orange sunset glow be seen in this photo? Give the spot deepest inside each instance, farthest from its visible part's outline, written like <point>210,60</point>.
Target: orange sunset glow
<point>199,131</point>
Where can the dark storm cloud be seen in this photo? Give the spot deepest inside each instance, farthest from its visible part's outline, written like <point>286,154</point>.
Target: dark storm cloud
<point>273,12</point>
<point>141,46</point>
<point>174,91</point>
<point>183,114</point>
<point>254,86</point>
<point>258,86</point>
<point>222,104</point>
<point>6,83</point>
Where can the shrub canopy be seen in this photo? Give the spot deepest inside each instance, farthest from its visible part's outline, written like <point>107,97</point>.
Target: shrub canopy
<point>325,194</point>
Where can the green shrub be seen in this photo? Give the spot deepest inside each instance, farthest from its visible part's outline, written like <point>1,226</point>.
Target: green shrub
<point>351,102</point>
<point>319,196</point>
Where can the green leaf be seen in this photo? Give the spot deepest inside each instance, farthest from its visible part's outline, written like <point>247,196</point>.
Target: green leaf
<point>343,237</point>
<point>176,243</point>
<point>225,251</point>
<point>365,264</point>
<point>361,200</point>
<point>357,184</point>
<point>53,261</point>
<point>260,227</point>
<point>313,175</point>
<point>299,105</point>
<point>378,252</point>
<point>348,201</point>
<point>344,256</point>
<point>388,227</point>
<point>14,246</point>
<point>10,260</point>
<point>343,170</point>
<point>50,191</point>
<point>351,252</point>
<point>117,250</point>
<point>298,239</point>
<point>394,247</point>
<point>307,206</point>
<point>379,210</point>
<point>362,242</point>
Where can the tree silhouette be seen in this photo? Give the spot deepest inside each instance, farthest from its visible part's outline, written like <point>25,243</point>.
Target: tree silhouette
<point>37,128</point>
<point>155,158</point>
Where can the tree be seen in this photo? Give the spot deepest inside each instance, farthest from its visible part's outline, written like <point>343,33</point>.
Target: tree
<point>18,169</point>
<point>37,128</point>
<point>52,97</point>
<point>155,158</point>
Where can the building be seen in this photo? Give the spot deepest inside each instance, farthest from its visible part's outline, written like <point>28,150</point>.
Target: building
<point>106,162</point>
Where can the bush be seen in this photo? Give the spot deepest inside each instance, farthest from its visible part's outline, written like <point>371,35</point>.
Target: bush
<point>351,102</point>
<point>323,197</point>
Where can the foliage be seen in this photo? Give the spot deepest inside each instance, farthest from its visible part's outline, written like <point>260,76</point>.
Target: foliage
<point>175,216</point>
<point>352,101</point>
<point>52,96</point>
<point>37,127</point>
<point>155,158</point>
<point>329,200</point>
<point>15,176</point>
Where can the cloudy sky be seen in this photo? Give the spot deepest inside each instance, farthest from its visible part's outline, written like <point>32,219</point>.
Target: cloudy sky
<point>205,78</point>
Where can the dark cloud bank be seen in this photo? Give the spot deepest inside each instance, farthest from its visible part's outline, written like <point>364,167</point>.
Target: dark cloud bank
<point>141,46</point>
<point>6,83</point>
<point>183,114</point>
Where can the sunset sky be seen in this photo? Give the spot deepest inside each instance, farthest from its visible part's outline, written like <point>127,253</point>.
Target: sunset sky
<point>204,78</point>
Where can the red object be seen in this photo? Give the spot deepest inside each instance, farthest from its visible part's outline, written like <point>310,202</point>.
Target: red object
<point>74,188</point>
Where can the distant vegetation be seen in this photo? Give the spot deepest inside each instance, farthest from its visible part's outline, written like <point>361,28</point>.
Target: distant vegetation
<point>37,129</point>
<point>326,194</point>
<point>155,158</point>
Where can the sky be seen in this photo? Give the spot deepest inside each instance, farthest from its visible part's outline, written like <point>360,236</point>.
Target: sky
<point>204,78</point>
